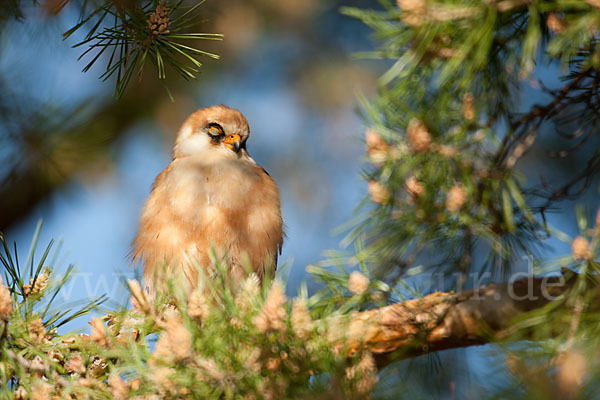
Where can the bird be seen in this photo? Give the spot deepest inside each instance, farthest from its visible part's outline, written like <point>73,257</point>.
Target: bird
<point>212,195</point>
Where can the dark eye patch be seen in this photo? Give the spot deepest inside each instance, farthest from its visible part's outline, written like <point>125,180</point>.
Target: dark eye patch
<point>215,130</point>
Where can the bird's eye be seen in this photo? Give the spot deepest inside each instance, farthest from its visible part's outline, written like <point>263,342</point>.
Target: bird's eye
<point>215,130</point>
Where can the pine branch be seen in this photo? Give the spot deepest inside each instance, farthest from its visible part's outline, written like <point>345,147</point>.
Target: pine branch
<point>442,321</point>
<point>147,31</point>
<point>524,129</point>
<point>130,35</point>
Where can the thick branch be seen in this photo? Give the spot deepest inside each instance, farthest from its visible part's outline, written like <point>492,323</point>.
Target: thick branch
<point>447,320</point>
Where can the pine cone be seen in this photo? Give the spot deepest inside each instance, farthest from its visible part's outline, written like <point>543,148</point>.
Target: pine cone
<point>158,21</point>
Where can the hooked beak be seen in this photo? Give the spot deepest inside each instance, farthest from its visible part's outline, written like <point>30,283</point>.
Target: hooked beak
<point>233,142</point>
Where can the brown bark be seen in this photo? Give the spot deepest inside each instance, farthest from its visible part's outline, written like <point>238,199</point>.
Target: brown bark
<point>441,321</point>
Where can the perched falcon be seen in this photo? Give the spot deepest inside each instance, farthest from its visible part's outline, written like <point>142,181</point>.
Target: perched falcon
<point>212,194</point>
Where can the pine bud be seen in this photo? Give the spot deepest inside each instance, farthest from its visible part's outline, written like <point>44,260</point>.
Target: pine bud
<point>75,365</point>
<point>273,363</point>
<point>41,391</point>
<point>97,367</point>
<point>414,187</point>
<point>379,194</point>
<point>198,307</point>
<point>364,375</point>
<point>447,151</point>
<point>593,3</point>
<point>555,23</point>
<point>135,384</point>
<point>118,389</point>
<point>38,366</point>
<point>162,377</point>
<point>21,393</point>
<point>210,368</point>
<point>413,11</point>
<point>301,320</point>
<point>162,351</point>
<point>138,297</point>
<point>40,283</point>
<point>5,301</point>
<point>456,198</point>
<point>572,369</point>
<point>273,313</point>
<point>248,293</point>
<point>581,248</point>
<point>180,338</point>
<point>37,331</point>
<point>479,135</point>
<point>358,283</point>
<point>158,21</point>
<point>99,332</point>
<point>468,107</point>
<point>377,148</point>
<point>418,136</point>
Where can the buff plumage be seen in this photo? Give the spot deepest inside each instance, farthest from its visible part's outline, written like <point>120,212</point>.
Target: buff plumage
<point>213,194</point>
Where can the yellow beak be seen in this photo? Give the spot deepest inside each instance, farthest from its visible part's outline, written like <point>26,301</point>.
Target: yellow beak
<point>233,142</point>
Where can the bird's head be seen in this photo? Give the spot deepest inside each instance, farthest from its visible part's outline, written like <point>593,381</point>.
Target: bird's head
<point>215,131</point>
